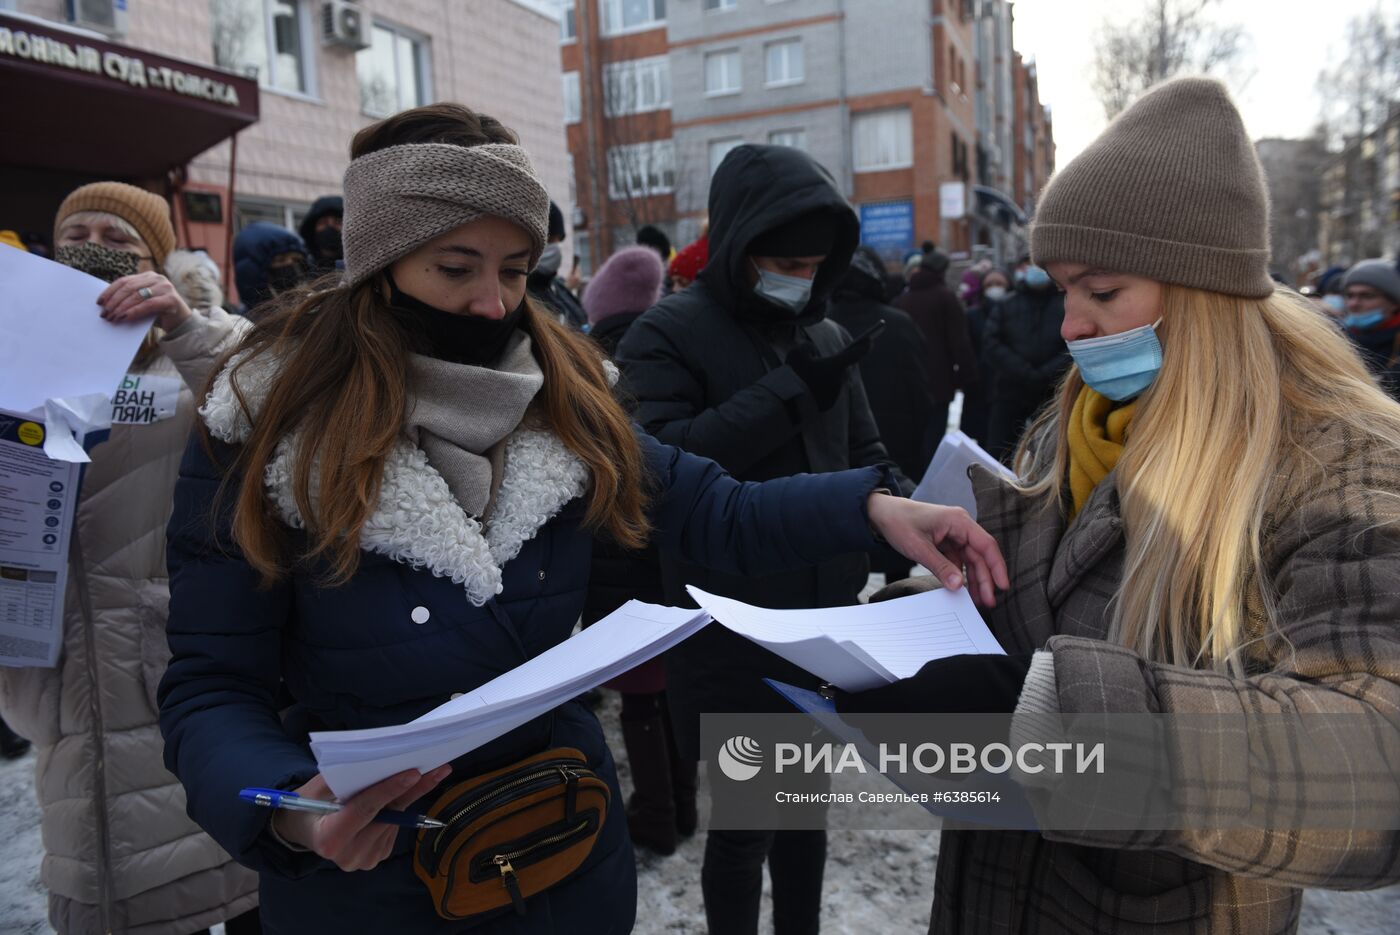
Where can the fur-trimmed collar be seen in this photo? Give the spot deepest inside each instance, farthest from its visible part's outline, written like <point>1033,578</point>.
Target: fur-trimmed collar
<point>417,521</point>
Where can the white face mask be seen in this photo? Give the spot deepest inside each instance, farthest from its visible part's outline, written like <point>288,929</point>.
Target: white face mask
<point>791,293</point>
<point>995,293</point>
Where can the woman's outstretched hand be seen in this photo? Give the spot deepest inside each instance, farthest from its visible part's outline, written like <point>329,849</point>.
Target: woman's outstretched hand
<point>945,540</point>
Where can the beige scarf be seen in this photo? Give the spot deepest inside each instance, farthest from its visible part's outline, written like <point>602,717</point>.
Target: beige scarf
<point>460,416</point>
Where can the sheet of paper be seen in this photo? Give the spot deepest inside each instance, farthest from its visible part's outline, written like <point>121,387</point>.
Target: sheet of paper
<point>892,638</point>
<point>946,482</point>
<point>351,760</point>
<point>37,501</point>
<point>54,344</point>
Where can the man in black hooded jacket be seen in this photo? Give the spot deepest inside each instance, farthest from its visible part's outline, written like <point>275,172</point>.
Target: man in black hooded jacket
<point>320,231</point>
<point>744,367</point>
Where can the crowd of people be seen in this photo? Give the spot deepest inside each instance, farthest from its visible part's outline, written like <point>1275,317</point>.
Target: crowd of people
<point>416,452</point>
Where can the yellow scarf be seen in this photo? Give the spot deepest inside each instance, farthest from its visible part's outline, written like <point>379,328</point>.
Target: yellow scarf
<point>1096,434</point>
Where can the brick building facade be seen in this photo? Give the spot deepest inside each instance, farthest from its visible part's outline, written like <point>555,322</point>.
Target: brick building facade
<point>495,56</point>
<point>884,93</point>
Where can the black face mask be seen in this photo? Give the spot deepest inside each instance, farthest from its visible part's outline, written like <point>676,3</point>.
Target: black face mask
<point>460,338</point>
<point>282,278</point>
<point>328,243</point>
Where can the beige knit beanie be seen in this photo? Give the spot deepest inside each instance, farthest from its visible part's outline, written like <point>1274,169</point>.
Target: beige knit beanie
<point>401,197</point>
<point>1172,191</point>
<point>147,212</point>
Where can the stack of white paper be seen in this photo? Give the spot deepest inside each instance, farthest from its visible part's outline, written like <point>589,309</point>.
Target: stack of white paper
<point>854,648</point>
<point>350,760</point>
<point>866,645</point>
<point>946,481</point>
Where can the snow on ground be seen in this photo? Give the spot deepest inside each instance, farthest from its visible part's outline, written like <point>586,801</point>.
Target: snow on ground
<point>876,881</point>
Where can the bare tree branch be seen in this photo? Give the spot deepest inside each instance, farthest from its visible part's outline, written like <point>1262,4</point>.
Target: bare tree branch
<point>1358,91</point>
<point>1169,37</point>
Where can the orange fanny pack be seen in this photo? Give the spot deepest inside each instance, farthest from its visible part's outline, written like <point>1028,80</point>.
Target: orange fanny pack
<point>511,834</point>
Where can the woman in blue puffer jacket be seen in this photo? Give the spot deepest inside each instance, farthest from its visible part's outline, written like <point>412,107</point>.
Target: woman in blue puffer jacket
<point>395,499</point>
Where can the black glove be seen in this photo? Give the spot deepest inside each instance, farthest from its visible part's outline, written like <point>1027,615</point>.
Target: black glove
<point>825,376</point>
<point>982,683</point>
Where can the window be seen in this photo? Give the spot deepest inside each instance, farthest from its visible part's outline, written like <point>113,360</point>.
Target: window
<point>246,212</point>
<point>784,62</point>
<point>637,86</point>
<point>263,37</point>
<point>639,170</point>
<point>719,149</point>
<point>883,139</point>
<point>631,15</point>
<point>722,72</point>
<point>960,160</point>
<point>712,5</point>
<point>393,71</point>
<point>572,104</point>
<point>568,20</point>
<point>797,139</point>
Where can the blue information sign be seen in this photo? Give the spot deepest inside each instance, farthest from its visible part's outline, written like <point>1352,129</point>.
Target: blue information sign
<point>887,225</point>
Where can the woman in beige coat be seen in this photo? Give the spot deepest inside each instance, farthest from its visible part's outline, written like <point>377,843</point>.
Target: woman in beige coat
<point>121,855</point>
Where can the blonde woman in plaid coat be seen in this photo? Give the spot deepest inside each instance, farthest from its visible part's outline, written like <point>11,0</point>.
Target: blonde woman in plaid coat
<point>1207,521</point>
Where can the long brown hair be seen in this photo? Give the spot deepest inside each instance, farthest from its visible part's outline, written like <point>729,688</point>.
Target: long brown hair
<point>342,379</point>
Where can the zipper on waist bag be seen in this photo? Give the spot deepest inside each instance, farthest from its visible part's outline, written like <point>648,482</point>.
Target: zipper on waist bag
<point>504,862</point>
<point>558,768</point>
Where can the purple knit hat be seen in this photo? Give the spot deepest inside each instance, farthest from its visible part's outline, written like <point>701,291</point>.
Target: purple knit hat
<point>629,282</point>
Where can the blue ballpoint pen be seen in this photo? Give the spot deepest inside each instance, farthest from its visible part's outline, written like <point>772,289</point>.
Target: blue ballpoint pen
<point>281,798</point>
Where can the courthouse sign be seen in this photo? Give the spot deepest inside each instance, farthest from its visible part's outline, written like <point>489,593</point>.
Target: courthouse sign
<point>113,64</point>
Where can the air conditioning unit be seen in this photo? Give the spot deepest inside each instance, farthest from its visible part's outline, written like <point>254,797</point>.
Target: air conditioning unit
<point>345,24</point>
<point>105,16</point>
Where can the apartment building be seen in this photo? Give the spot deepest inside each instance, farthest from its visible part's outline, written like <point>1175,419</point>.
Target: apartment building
<point>1360,210</point>
<point>909,103</point>
<point>307,74</point>
<point>1033,136</point>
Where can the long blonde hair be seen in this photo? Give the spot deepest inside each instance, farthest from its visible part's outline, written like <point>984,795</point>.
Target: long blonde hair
<point>1244,384</point>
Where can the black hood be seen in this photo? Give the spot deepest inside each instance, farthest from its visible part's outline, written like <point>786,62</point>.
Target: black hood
<point>758,188</point>
<point>326,204</point>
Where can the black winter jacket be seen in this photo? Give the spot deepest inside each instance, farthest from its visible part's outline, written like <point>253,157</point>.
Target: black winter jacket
<point>1022,346</point>
<point>894,375</point>
<point>1380,350</point>
<point>939,314</point>
<point>706,367</point>
<point>1021,343</point>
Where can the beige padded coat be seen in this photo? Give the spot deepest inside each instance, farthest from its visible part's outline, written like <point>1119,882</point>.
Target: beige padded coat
<point>120,853</point>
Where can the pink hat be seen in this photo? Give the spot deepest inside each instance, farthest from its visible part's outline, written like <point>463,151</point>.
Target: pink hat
<point>629,282</point>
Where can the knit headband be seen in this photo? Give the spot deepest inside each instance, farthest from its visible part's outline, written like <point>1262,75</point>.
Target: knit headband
<point>398,199</point>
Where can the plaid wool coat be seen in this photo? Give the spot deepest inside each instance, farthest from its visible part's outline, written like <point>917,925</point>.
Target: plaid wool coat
<point>1335,568</point>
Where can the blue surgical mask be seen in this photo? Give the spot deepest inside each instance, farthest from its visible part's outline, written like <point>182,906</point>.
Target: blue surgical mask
<point>1036,278</point>
<point>1335,302</point>
<point>1119,366</point>
<point>787,292</point>
<point>1360,320</point>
